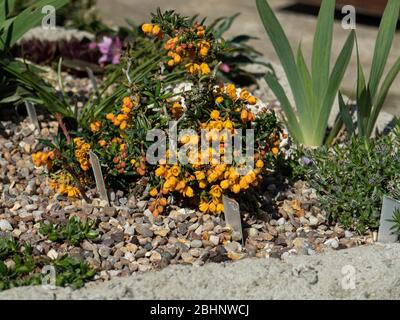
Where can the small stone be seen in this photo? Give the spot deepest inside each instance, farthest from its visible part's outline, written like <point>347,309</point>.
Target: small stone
<point>37,215</point>
<point>5,225</point>
<point>298,242</point>
<point>52,254</point>
<point>144,230</point>
<point>31,207</point>
<point>196,244</point>
<point>88,246</point>
<point>313,221</point>
<point>236,256</point>
<point>183,228</point>
<point>147,213</point>
<point>187,257</point>
<point>26,216</point>
<point>118,236</point>
<point>130,230</point>
<point>236,236</point>
<point>348,234</point>
<point>233,247</point>
<point>16,233</point>
<point>123,201</point>
<point>140,253</point>
<point>266,236</point>
<point>199,230</point>
<point>155,257</point>
<point>182,215</point>
<point>252,232</point>
<point>129,256</point>
<point>132,202</point>
<point>160,231</point>
<point>281,221</point>
<point>280,241</point>
<point>131,247</point>
<point>104,251</point>
<point>208,226</point>
<point>16,207</point>
<point>333,243</point>
<point>195,252</point>
<point>214,240</point>
<point>10,264</point>
<point>141,205</point>
<point>193,226</point>
<point>109,211</point>
<point>304,221</point>
<point>133,266</point>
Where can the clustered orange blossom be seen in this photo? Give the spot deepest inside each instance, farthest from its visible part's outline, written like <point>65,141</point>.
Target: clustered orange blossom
<point>63,184</point>
<point>43,158</point>
<point>187,46</point>
<point>82,153</point>
<point>208,175</point>
<point>121,120</point>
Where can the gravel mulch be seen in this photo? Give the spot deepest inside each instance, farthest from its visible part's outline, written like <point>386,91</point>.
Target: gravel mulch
<point>289,223</point>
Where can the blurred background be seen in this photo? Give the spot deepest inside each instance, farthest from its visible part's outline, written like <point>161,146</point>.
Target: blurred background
<point>298,19</point>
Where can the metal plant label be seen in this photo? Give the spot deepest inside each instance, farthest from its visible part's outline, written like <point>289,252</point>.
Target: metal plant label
<point>232,215</point>
<point>30,108</point>
<point>385,234</point>
<point>98,175</point>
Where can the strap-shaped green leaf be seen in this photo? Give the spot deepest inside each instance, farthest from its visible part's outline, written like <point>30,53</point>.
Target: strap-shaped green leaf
<point>33,82</point>
<point>345,115</point>
<point>285,53</point>
<point>334,83</point>
<point>291,119</point>
<point>27,19</point>
<point>6,7</point>
<point>322,47</point>
<point>364,103</point>
<point>306,78</point>
<point>381,97</point>
<point>383,44</point>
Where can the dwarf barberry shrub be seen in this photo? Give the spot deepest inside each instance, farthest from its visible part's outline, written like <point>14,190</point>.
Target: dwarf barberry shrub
<point>205,114</point>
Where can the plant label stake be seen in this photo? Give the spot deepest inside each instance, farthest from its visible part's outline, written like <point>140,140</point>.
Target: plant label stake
<point>98,176</point>
<point>30,108</point>
<point>232,215</point>
<point>385,234</point>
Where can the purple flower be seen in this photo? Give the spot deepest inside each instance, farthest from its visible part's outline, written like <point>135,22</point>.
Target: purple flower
<point>93,46</point>
<point>224,68</point>
<point>111,50</point>
<point>306,161</point>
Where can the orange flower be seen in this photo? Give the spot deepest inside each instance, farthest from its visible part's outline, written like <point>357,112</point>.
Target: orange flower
<point>156,30</point>
<point>219,100</point>
<point>205,69</point>
<point>243,115</point>
<point>215,115</point>
<point>95,126</point>
<point>192,68</point>
<point>147,28</point>
<point>153,192</point>
<point>252,100</point>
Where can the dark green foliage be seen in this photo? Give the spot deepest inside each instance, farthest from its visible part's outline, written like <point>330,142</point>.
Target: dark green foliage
<point>25,270</point>
<point>396,220</point>
<point>351,180</point>
<point>74,231</point>
<point>73,272</point>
